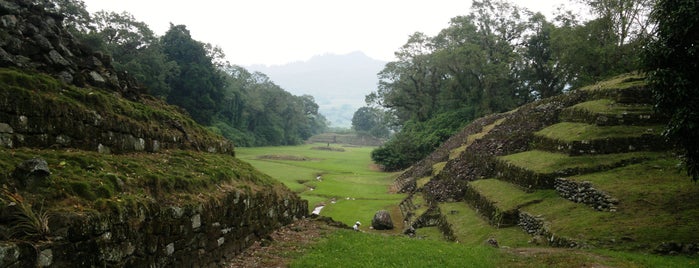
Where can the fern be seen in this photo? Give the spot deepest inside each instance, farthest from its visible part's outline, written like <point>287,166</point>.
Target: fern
<point>25,223</point>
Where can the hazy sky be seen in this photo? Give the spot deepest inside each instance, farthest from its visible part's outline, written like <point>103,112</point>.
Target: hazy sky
<point>280,31</point>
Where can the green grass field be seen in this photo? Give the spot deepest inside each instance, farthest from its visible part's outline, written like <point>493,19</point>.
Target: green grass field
<point>351,188</point>
<point>351,249</point>
<point>359,190</point>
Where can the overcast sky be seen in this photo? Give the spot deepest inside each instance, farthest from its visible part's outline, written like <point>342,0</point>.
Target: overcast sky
<point>274,32</point>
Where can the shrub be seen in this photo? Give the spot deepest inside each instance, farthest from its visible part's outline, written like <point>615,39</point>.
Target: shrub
<point>418,139</point>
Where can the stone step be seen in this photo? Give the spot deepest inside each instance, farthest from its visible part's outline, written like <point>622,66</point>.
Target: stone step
<point>581,138</point>
<point>586,193</point>
<point>404,184</point>
<point>505,205</point>
<point>497,201</point>
<point>538,227</point>
<point>433,217</point>
<point>450,149</point>
<point>627,90</point>
<point>538,169</point>
<point>412,207</point>
<point>470,228</point>
<point>607,112</point>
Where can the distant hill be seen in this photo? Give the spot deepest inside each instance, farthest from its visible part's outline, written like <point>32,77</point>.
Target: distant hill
<point>337,82</point>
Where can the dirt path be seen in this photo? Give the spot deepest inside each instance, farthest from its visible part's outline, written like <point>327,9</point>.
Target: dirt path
<point>285,244</point>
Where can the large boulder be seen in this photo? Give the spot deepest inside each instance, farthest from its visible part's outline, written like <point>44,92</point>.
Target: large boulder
<point>382,220</point>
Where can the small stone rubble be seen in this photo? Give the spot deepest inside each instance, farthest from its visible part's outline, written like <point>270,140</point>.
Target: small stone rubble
<point>584,192</point>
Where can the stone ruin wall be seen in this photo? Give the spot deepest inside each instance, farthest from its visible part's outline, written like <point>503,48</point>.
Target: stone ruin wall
<point>35,40</point>
<point>198,235</point>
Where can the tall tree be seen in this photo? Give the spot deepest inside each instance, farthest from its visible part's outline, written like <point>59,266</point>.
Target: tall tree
<point>199,87</point>
<point>437,84</point>
<point>628,18</point>
<point>135,49</point>
<point>257,112</point>
<point>672,62</point>
<point>410,85</point>
<point>604,46</point>
<point>541,74</point>
<point>370,120</point>
<point>75,14</point>
<point>588,52</point>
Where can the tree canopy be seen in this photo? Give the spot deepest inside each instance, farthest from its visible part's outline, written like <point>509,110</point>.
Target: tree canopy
<point>672,61</point>
<point>371,121</point>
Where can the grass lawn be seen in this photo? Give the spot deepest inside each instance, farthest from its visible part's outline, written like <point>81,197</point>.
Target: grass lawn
<point>351,189</point>
<point>345,248</point>
<point>612,108</point>
<point>472,230</point>
<point>356,249</point>
<point>548,162</point>
<point>569,131</point>
<point>358,191</point>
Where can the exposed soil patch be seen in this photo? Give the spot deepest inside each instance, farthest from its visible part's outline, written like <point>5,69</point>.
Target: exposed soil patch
<point>282,246</point>
<point>286,157</point>
<point>375,167</point>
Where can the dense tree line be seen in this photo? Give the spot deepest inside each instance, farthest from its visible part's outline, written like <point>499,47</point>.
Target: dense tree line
<point>671,60</point>
<point>495,59</point>
<point>245,107</point>
<point>370,121</point>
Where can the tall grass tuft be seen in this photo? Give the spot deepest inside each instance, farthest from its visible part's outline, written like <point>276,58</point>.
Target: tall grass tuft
<point>25,223</point>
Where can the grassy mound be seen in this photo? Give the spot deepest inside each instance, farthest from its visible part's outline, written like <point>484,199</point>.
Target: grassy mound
<point>82,180</point>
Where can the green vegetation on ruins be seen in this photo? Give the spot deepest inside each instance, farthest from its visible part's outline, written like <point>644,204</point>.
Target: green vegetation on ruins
<point>87,179</point>
<point>611,107</point>
<point>568,131</point>
<point>83,180</point>
<point>622,207</point>
<point>48,99</point>
<point>655,203</point>
<point>470,228</point>
<point>548,162</point>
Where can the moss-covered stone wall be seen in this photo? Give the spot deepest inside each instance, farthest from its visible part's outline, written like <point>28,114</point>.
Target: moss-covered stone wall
<point>38,111</point>
<point>201,234</point>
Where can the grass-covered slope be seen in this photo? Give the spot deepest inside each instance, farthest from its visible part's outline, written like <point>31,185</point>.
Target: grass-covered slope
<point>585,169</point>
<point>83,180</point>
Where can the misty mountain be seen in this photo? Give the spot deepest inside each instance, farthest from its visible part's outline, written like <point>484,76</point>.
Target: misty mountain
<point>338,83</point>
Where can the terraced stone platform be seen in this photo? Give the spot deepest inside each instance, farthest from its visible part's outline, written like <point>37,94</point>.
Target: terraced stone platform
<point>586,169</point>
